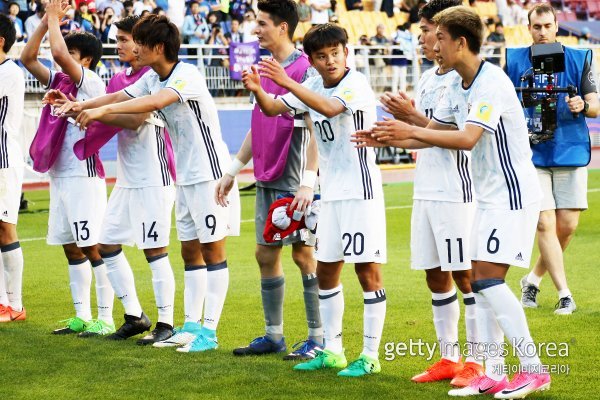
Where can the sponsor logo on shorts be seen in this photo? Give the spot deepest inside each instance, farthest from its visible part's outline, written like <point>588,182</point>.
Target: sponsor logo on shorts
<point>377,254</point>
<point>519,257</point>
<point>5,213</point>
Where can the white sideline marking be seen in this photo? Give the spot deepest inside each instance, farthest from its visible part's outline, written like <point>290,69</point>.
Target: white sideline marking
<point>245,221</point>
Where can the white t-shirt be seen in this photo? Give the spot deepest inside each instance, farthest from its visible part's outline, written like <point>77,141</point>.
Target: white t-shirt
<point>503,174</point>
<point>345,172</point>
<point>12,95</point>
<point>142,155</point>
<point>201,155</point>
<point>67,164</point>
<point>441,174</point>
<point>319,17</point>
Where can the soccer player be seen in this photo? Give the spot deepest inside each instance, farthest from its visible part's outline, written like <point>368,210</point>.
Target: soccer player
<point>178,92</point>
<point>139,208</point>
<point>441,216</point>
<point>481,103</point>
<point>352,218</point>
<point>77,193</point>
<point>12,94</point>
<point>291,168</point>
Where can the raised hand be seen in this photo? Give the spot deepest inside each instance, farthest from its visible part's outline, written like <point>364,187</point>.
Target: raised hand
<point>399,105</point>
<point>389,129</point>
<point>366,139</point>
<point>270,68</point>
<point>251,79</point>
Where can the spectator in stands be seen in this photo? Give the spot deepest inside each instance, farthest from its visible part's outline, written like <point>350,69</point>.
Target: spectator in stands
<point>515,14</point>
<point>159,11</point>
<point>247,27</point>
<point>234,35</point>
<point>303,11</point>
<point>195,30</point>
<point>127,8</point>
<point>117,8</point>
<point>319,11</point>
<point>143,5</point>
<point>354,5</point>
<point>413,14</point>
<point>237,8</point>
<point>561,161</point>
<point>402,38</point>
<point>107,20</point>
<point>33,21</point>
<point>379,61</point>
<point>89,22</point>
<point>497,41</point>
<point>13,12</point>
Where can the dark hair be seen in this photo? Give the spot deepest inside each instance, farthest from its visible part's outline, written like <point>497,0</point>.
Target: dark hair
<point>324,35</point>
<point>191,3</point>
<point>127,3</point>
<point>126,24</point>
<point>87,44</point>
<point>461,21</point>
<point>16,4</point>
<point>281,11</point>
<point>435,6</point>
<point>8,32</point>
<point>153,30</point>
<point>539,9</point>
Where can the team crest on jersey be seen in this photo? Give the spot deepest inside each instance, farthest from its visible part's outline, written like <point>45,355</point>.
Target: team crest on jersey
<point>484,111</point>
<point>179,84</point>
<point>347,94</point>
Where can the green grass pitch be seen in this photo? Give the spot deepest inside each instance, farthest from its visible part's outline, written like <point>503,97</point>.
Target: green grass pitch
<point>37,365</point>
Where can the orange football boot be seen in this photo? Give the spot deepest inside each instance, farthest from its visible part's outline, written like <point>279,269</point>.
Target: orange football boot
<point>441,370</point>
<point>470,371</point>
<point>10,315</point>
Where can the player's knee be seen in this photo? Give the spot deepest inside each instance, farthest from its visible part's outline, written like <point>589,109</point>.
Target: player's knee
<point>546,223</point>
<point>462,280</point>
<point>214,253</point>
<point>566,228</point>
<point>369,277</point>
<point>72,252</point>
<point>8,233</point>
<point>91,252</point>
<point>303,258</point>
<point>438,281</point>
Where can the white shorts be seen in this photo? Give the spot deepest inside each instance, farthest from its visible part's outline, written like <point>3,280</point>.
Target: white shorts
<point>352,231</point>
<point>200,217</point>
<point>77,206</point>
<point>440,235</point>
<point>563,188</point>
<point>11,182</point>
<point>504,236</point>
<point>140,216</point>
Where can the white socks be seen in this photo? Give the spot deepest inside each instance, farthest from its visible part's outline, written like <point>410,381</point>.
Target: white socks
<point>12,258</point>
<point>194,292</point>
<point>163,282</point>
<point>373,319</point>
<point>3,296</point>
<point>490,334</point>
<point>446,313</point>
<point>511,318</point>
<point>331,307</point>
<point>121,279</point>
<point>104,292</point>
<point>217,285</point>
<point>471,327</point>
<point>80,281</point>
<point>534,279</point>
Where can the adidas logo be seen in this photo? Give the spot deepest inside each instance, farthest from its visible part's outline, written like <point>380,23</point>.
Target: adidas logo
<point>519,257</point>
<point>5,213</point>
<point>377,254</point>
<point>455,109</point>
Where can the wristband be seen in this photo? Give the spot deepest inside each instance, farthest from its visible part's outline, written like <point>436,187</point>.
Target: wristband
<point>236,167</point>
<point>309,178</point>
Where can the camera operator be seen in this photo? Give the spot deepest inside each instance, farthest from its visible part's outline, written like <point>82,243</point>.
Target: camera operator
<point>562,159</point>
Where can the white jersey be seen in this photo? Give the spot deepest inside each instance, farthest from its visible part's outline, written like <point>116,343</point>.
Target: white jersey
<point>345,171</point>
<point>142,157</point>
<point>441,174</point>
<point>67,164</point>
<point>503,174</point>
<point>201,155</point>
<point>12,95</point>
